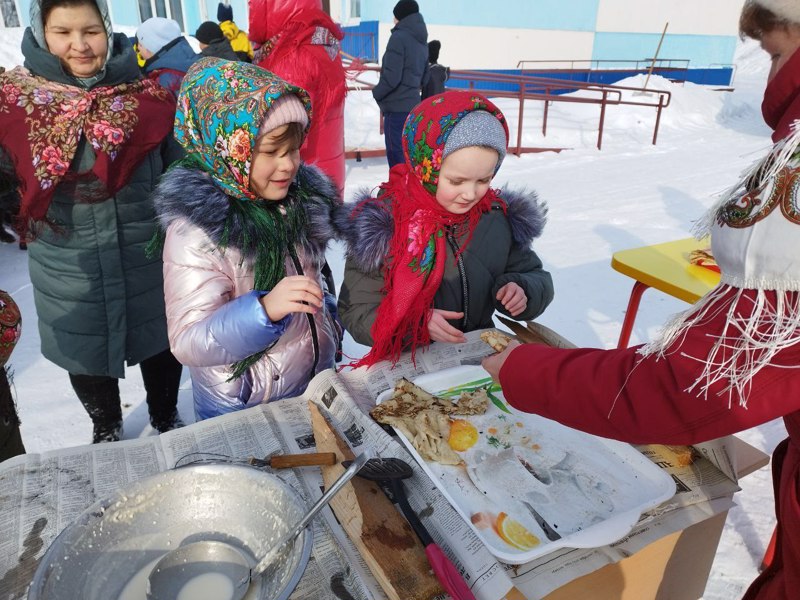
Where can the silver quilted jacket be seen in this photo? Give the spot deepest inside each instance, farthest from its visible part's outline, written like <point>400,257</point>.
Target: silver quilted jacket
<point>214,316</point>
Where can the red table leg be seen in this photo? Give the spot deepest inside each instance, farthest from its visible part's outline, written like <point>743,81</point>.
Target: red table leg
<point>769,555</point>
<point>630,313</point>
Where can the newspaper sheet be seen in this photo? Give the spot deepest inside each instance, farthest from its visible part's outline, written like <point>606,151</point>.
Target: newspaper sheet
<point>42,494</point>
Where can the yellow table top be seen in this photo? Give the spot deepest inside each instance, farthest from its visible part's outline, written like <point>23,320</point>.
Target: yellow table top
<point>666,267</point>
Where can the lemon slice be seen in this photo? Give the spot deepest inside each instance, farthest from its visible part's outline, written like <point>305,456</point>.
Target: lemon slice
<point>514,533</point>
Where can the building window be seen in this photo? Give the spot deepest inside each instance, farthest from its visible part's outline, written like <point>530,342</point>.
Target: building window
<point>161,8</point>
<point>176,13</point>
<point>145,10</point>
<point>355,9</point>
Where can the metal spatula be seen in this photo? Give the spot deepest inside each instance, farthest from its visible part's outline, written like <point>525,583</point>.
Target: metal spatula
<point>389,473</point>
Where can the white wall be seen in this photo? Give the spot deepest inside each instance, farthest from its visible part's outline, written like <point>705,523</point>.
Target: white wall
<point>704,17</point>
<point>495,48</point>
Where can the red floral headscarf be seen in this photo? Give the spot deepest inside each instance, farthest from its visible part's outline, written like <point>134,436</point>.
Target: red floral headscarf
<point>414,264</point>
<point>10,326</point>
<point>41,123</point>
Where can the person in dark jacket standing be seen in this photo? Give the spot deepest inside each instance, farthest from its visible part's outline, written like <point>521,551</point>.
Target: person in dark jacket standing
<point>213,42</point>
<point>404,70</point>
<point>167,53</point>
<point>437,74</point>
<point>84,138</point>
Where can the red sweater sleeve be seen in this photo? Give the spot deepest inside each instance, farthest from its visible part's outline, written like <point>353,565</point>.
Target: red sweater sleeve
<point>621,395</point>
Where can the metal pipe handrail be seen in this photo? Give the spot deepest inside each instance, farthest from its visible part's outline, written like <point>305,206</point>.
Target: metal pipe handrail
<point>545,89</point>
<point>639,64</point>
<point>560,85</point>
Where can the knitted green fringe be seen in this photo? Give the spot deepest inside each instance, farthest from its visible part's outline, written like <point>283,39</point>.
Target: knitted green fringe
<point>278,225</point>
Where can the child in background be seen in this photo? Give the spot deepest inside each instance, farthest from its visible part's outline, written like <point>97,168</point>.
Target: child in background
<point>213,42</point>
<point>247,225</point>
<point>457,249</point>
<point>167,53</point>
<point>437,74</point>
<point>238,38</point>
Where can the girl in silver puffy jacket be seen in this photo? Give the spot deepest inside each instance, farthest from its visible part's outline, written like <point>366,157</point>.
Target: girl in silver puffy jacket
<point>247,226</point>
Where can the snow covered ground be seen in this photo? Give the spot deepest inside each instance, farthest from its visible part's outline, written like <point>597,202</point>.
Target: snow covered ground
<point>629,194</point>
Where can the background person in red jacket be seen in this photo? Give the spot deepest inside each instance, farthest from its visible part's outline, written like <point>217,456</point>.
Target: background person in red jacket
<point>300,43</point>
<point>732,361</point>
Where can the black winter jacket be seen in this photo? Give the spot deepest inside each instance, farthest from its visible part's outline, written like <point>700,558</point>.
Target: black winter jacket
<point>499,252</point>
<point>404,67</point>
<point>438,76</point>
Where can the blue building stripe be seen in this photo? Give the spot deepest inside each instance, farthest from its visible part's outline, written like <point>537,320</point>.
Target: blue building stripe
<point>125,14</point>
<point>717,76</point>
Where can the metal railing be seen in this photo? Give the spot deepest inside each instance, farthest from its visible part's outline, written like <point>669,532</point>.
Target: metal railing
<point>604,64</point>
<point>526,88</point>
<point>550,90</point>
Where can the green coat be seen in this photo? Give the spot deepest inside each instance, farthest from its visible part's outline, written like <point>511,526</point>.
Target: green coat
<point>99,299</point>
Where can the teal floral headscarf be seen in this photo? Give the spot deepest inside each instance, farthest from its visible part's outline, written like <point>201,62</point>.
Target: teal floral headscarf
<point>221,105</point>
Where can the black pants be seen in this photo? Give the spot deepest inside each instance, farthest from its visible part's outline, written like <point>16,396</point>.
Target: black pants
<point>99,394</point>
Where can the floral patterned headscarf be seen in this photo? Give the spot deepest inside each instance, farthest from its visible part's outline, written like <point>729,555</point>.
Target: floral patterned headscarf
<point>10,326</point>
<point>414,264</point>
<point>42,123</point>
<point>221,105</point>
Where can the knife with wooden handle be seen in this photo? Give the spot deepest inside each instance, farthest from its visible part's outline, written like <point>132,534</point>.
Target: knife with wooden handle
<point>287,461</point>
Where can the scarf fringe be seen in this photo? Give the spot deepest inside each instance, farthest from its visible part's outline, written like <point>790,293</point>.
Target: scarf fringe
<point>750,340</point>
<point>753,178</point>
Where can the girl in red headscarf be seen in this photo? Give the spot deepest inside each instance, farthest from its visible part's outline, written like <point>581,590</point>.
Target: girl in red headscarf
<point>439,250</point>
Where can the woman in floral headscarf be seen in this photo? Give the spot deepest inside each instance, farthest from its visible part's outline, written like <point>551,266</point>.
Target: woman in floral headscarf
<point>246,229</point>
<point>439,250</point>
<point>84,138</point>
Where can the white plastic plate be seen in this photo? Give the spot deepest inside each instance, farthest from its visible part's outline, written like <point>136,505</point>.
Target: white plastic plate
<point>590,490</point>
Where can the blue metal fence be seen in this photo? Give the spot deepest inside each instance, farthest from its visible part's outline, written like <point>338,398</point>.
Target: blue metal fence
<point>361,41</point>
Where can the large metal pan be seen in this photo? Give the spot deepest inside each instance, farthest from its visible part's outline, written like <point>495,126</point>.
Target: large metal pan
<point>107,553</point>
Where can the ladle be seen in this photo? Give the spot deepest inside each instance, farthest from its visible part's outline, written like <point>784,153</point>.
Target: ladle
<point>180,566</point>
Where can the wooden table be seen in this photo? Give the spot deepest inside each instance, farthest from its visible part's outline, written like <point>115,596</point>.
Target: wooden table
<point>665,267</point>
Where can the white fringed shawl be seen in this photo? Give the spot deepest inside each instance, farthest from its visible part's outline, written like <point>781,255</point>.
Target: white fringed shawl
<point>755,238</point>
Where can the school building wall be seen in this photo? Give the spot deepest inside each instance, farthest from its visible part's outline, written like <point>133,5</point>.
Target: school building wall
<point>476,34</point>
<point>481,35</point>
<point>189,13</point>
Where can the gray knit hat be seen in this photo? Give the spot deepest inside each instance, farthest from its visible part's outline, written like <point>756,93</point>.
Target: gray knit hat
<point>478,128</point>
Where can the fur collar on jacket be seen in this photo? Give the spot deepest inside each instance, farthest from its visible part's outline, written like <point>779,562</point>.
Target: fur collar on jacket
<point>191,194</point>
<point>366,225</point>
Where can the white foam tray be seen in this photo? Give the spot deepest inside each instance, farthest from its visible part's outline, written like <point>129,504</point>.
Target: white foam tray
<point>596,500</point>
